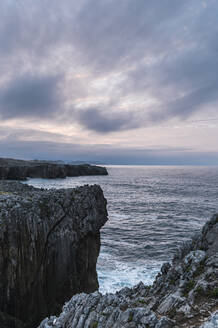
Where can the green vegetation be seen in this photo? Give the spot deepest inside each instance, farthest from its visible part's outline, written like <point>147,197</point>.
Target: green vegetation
<point>214,293</point>
<point>188,287</point>
<point>200,269</point>
<point>94,324</point>
<point>130,317</point>
<point>199,290</point>
<point>148,286</point>
<point>172,281</point>
<point>210,293</point>
<point>143,301</point>
<point>5,193</point>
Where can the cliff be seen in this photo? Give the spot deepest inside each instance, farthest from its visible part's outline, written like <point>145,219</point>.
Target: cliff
<point>184,294</point>
<point>13,169</point>
<point>49,244</point>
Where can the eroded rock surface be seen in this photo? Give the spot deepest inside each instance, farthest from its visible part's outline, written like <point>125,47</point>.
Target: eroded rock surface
<point>49,244</point>
<point>12,169</point>
<point>184,294</point>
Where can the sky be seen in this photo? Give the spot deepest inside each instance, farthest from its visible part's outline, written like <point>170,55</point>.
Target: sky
<point>119,82</point>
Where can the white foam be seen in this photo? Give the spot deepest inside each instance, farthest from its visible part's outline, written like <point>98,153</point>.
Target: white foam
<point>114,275</point>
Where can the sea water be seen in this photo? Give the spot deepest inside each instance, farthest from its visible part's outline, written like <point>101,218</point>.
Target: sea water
<point>152,210</point>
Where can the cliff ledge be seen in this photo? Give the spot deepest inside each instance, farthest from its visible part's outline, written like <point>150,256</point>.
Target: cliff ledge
<point>49,244</point>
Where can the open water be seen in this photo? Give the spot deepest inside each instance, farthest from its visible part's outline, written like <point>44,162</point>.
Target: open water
<point>152,210</point>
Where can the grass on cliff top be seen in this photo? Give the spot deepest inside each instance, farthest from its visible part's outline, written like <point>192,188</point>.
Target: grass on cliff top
<point>5,193</point>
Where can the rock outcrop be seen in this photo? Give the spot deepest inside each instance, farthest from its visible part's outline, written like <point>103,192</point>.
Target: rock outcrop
<point>12,169</point>
<point>184,294</point>
<point>49,244</point>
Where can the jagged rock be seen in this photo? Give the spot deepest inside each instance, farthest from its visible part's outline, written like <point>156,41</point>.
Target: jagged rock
<point>103,311</point>
<point>170,302</point>
<point>195,257</point>
<point>49,244</point>
<point>11,169</point>
<point>184,294</point>
<point>212,322</point>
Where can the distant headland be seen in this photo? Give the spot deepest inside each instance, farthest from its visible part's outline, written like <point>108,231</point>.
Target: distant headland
<point>17,169</point>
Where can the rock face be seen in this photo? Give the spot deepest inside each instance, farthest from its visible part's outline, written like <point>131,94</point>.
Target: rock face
<point>11,169</point>
<point>184,294</point>
<point>49,244</point>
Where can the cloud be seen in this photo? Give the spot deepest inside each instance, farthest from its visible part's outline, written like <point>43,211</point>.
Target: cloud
<point>125,31</point>
<point>97,120</point>
<point>107,154</point>
<point>162,48</point>
<point>30,97</point>
<point>108,66</point>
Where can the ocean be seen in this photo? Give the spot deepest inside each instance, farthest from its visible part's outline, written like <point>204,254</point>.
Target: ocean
<point>152,210</point>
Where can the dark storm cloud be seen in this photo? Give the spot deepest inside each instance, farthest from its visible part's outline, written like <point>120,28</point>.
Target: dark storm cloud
<point>183,76</point>
<point>97,120</point>
<point>165,48</point>
<point>29,96</point>
<point>111,33</point>
<point>182,38</point>
<point>183,107</point>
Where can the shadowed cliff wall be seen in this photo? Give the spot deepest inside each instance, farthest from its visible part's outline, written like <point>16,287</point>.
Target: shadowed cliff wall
<point>49,244</point>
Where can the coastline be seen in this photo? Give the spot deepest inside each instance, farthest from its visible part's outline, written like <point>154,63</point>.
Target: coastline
<point>142,294</point>
<point>13,169</point>
<point>184,294</point>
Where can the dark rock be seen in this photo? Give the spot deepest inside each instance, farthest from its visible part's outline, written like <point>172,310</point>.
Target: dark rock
<point>49,244</point>
<point>7,321</point>
<point>184,294</point>
<point>11,169</point>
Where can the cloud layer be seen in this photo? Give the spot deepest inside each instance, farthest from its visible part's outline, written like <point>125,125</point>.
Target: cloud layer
<point>29,96</point>
<point>104,68</point>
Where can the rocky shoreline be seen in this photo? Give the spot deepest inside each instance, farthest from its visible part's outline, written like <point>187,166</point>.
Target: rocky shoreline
<point>49,245</point>
<point>184,294</point>
<point>13,169</point>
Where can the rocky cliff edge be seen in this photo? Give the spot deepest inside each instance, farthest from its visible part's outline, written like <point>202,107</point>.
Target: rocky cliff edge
<point>49,244</point>
<point>184,294</point>
<point>14,169</point>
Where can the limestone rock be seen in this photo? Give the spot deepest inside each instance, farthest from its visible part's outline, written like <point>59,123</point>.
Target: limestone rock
<point>212,322</point>
<point>49,244</point>
<point>184,294</point>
